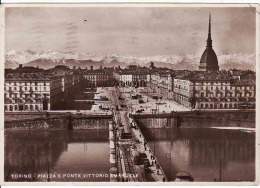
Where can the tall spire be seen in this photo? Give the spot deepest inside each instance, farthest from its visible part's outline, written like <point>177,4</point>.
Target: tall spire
<point>209,41</point>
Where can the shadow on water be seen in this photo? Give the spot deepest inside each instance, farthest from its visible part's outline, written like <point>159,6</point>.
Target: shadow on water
<point>30,153</point>
<point>208,154</point>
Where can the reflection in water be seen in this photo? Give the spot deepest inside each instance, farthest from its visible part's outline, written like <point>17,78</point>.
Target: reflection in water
<point>61,152</point>
<point>201,152</point>
<point>85,152</point>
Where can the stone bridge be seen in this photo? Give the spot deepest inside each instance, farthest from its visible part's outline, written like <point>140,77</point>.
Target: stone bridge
<point>61,122</point>
<point>199,119</point>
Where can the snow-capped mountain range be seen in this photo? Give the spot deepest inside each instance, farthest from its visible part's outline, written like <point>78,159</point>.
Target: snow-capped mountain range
<point>50,59</point>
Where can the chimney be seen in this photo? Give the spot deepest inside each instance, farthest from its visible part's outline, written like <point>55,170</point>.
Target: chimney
<point>20,66</point>
<point>91,68</point>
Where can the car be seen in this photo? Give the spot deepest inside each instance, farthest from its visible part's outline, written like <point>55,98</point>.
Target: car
<point>141,101</point>
<point>155,97</point>
<point>140,111</point>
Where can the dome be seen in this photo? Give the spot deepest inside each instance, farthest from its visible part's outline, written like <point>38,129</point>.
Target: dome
<point>209,57</point>
<point>209,60</point>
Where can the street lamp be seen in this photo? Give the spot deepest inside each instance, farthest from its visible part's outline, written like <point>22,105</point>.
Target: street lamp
<point>169,156</point>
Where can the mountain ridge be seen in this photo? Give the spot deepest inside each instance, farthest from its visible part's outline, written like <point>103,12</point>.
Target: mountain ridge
<point>52,58</point>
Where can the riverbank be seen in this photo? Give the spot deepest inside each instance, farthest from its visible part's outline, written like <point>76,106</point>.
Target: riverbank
<point>249,130</point>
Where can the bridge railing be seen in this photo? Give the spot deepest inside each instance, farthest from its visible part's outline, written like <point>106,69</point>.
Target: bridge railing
<point>151,151</point>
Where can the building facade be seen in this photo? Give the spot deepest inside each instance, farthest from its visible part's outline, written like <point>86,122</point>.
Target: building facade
<point>96,78</point>
<point>161,82</point>
<point>32,94</point>
<point>216,91</point>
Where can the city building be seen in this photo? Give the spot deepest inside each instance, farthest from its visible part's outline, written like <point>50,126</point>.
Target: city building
<point>209,60</point>
<point>205,90</point>
<point>96,78</point>
<point>161,82</point>
<point>140,77</point>
<point>124,77</point>
<point>31,93</point>
<point>133,75</point>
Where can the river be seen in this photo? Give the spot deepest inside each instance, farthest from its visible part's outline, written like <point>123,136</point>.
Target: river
<point>208,154</point>
<point>78,155</point>
<point>205,153</point>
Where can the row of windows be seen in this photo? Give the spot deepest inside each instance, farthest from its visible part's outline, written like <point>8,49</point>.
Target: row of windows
<point>211,83</point>
<point>26,88</point>
<point>182,87</point>
<point>26,83</point>
<point>220,106</point>
<point>214,87</point>
<point>183,100</point>
<point>26,107</point>
<point>36,96</point>
<point>227,95</point>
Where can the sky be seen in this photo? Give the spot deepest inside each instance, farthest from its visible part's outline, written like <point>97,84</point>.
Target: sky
<point>130,31</point>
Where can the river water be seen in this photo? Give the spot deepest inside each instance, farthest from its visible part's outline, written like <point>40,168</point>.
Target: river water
<point>202,152</point>
<point>208,154</point>
<point>66,153</point>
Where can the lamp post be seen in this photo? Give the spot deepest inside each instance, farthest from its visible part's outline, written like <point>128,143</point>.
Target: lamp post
<point>169,156</point>
<point>220,170</point>
<point>131,100</point>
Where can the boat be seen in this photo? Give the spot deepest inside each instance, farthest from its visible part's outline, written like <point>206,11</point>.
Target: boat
<point>184,176</point>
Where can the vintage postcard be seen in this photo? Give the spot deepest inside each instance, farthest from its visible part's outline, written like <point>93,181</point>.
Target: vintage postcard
<point>129,94</point>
